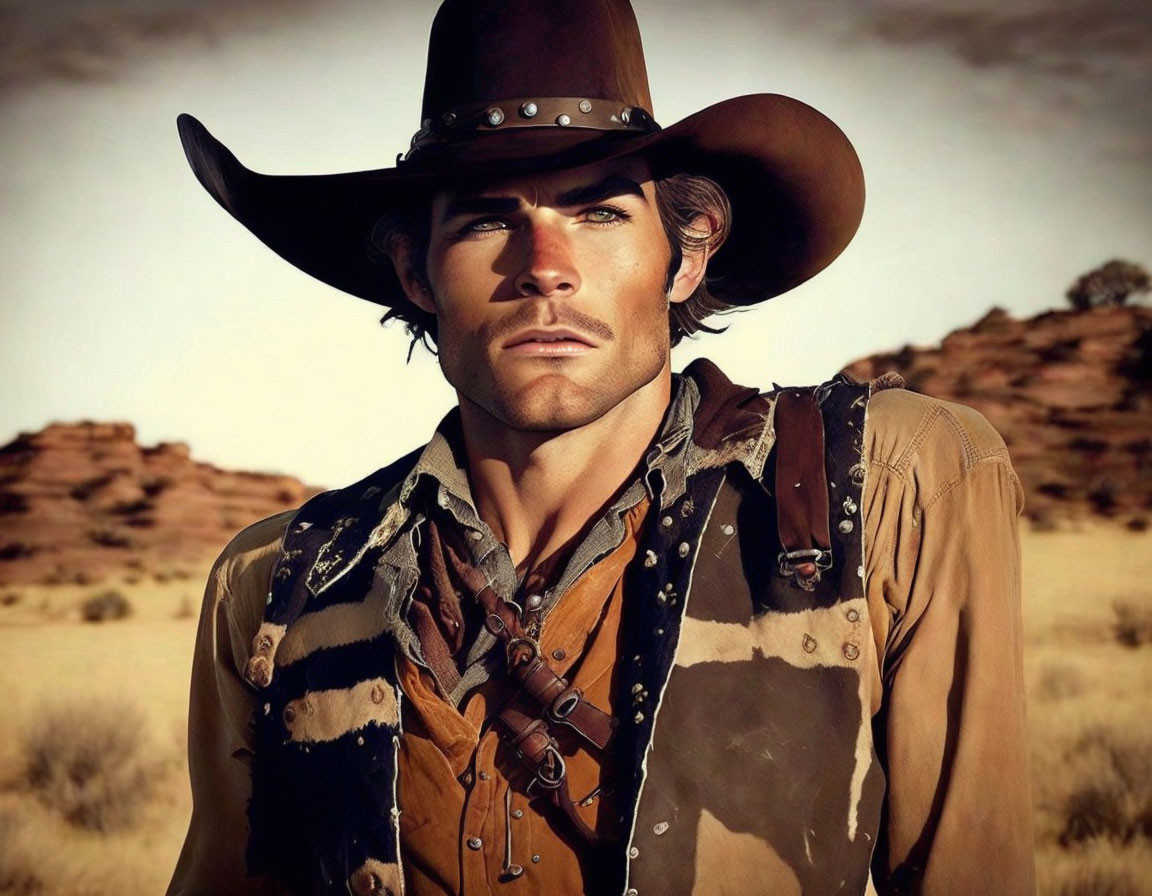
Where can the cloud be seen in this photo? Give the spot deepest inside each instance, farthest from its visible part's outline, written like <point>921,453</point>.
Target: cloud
<point>1080,39</point>
<point>92,40</point>
<point>1090,59</point>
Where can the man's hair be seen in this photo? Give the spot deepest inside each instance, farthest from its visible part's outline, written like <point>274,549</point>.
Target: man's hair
<point>680,200</point>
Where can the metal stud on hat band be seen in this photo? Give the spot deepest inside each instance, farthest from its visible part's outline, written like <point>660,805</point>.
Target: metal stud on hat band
<point>464,122</point>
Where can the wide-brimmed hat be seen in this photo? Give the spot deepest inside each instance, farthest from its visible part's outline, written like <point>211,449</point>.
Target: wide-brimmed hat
<point>519,85</point>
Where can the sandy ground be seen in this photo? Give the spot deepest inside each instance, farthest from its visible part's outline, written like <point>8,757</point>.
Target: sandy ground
<point>1079,677</point>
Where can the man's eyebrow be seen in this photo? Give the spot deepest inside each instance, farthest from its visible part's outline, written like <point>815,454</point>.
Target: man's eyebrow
<point>479,205</point>
<point>613,185</point>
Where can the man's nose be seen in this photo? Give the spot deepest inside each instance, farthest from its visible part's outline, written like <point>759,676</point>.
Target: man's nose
<point>548,266</point>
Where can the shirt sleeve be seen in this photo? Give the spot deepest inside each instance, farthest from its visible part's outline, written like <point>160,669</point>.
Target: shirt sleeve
<point>219,719</point>
<point>944,587</point>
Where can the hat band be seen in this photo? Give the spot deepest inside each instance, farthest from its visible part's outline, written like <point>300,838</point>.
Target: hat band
<point>530,112</point>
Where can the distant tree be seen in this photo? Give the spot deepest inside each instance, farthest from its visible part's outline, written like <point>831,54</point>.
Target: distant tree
<point>1110,284</point>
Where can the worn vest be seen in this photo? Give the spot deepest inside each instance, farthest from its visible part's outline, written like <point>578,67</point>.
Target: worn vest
<point>743,661</point>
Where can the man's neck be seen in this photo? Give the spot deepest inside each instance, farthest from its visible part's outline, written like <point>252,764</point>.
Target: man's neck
<point>538,490</point>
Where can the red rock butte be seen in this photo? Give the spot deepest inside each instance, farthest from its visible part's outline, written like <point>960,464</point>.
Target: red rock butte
<point>80,502</point>
<point>1070,391</point>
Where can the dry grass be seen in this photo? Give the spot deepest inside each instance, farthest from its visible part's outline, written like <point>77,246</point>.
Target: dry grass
<point>1089,709</point>
<point>145,661</point>
<point>92,762</point>
<point>105,606</point>
<point>1095,869</point>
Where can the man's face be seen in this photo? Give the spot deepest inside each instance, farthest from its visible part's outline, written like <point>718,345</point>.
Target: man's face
<point>549,293</point>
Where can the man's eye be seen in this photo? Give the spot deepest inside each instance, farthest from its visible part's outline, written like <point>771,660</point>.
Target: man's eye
<point>485,225</point>
<point>604,215</point>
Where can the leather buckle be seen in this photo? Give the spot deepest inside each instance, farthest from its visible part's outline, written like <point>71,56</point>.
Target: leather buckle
<point>551,770</point>
<point>564,704</point>
<point>804,566</point>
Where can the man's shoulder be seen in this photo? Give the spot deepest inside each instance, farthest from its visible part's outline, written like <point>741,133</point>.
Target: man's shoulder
<point>930,443</point>
<point>252,552</point>
<point>250,556</point>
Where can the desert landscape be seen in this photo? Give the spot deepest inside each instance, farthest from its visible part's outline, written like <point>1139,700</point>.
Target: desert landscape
<point>104,547</point>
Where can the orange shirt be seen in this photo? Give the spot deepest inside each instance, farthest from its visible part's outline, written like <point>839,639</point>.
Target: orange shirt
<point>465,819</point>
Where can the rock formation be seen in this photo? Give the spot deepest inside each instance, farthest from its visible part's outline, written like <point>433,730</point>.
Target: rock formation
<point>80,502</point>
<point>1070,393</point>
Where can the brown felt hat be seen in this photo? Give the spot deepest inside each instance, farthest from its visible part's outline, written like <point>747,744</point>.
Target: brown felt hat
<point>516,85</point>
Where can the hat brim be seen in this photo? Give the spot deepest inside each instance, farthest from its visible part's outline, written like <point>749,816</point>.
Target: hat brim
<point>792,177</point>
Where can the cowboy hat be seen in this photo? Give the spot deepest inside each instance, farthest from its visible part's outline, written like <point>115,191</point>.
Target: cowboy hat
<point>515,85</point>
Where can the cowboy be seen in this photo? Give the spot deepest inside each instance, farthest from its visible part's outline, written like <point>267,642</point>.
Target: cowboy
<point>613,629</point>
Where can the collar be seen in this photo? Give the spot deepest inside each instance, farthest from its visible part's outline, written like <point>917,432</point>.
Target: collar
<point>710,422</point>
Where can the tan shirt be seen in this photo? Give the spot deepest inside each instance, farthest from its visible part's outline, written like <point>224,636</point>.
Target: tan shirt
<point>460,827</point>
<point>943,588</point>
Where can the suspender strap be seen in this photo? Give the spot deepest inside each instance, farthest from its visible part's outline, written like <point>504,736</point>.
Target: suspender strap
<point>801,487</point>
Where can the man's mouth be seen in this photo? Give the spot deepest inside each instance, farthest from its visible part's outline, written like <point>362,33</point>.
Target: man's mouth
<point>549,342</point>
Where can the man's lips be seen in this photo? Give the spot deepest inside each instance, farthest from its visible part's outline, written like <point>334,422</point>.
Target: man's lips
<point>549,342</point>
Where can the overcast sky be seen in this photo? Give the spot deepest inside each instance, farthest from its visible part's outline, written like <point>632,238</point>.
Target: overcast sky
<point>1007,148</point>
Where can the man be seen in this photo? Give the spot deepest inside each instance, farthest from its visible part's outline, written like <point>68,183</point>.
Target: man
<point>612,630</point>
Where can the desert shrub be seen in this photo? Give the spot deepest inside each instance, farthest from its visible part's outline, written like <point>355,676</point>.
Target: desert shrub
<point>1137,524</point>
<point>1058,681</point>
<point>105,606</point>
<point>1057,490</point>
<point>1110,284</point>
<point>1133,623</point>
<point>9,599</point>
<point>1103,495</point>
<point>1110,792</point>
<point>90,762</point>
<point>1042,518</point>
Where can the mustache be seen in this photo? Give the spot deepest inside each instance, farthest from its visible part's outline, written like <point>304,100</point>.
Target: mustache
<point>528,315</point>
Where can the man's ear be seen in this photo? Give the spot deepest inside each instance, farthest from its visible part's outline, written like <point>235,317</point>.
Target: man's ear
<point>411,275</point>
<point>693,263</point>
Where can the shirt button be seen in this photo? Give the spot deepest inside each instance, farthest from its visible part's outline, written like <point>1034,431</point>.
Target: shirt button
<point>484,776</point>
<point>475,842</point>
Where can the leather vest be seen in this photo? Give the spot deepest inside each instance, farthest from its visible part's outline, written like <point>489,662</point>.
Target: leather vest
<point>745,660</point>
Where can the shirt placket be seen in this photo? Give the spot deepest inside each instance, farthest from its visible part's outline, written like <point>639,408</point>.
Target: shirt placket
<point>482,827</point>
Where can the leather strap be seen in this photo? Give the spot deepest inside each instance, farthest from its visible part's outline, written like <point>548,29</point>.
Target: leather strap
<point>801,486</point>
<point>533,744</point>
<point>563,703</point>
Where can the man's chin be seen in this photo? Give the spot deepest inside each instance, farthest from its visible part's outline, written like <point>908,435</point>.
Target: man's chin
<point>553,407</point>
